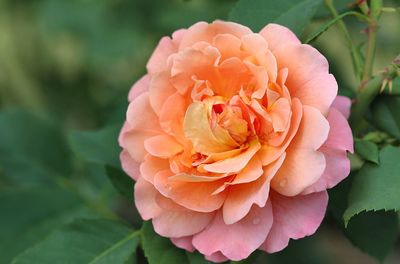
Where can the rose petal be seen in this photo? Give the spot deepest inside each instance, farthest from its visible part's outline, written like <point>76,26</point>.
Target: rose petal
<point>129,165</point>
<point>145,199</point>
<point>162,146</point>
<point>294,217</point>
<point>304,165</point>
<point>242,197</point>
<point>177,221</point>
<point>277,35</point>
<point>141,86</point>
<point>343,105</point>
<point>183,242</point>
<point>236,241</point>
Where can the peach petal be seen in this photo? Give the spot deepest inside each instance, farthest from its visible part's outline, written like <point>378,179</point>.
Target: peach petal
<point>254,43</point>
<point>304,165</point>
<point>337,169</point>
<point>177,221</point>
<point>140,115</point>
<point>145,199</point>
<point>129,165</point>
<point>277,35</point>
<point>228,45</point>
<point>195,196</point>
<point>294,217</point>
<point>280,114</point>
<point>162,146</point>
<point>140,86</point>
<point>183,243</point>
<point>343,105</point>
<point>151,165</point>
<point>236,163</point>
<point>269,153</point>
<point>236,241</point>
<point>307,74</point>
<point>158,60</point>
<point>242,197</point>
<point>160,89</point>
<point>203,31</point>
<point>172,115</point>
<point>250,173</point>
<point>196,178</point>
<point>132,141</point>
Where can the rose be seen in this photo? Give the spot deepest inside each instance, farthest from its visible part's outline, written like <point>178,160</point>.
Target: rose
<point>233,138</point>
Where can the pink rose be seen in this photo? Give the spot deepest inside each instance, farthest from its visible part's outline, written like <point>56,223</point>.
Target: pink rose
<point>233,138</point>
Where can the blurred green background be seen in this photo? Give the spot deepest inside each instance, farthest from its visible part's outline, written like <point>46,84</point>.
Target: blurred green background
<point>69,66</point>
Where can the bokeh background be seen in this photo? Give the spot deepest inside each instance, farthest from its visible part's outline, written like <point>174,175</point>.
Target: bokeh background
<point>71,64</point>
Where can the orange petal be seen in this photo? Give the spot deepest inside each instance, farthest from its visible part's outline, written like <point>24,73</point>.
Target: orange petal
<point>236,163</point>
<point>162,146</point>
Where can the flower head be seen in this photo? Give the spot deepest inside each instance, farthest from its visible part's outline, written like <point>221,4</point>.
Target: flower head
<point>233,138</point>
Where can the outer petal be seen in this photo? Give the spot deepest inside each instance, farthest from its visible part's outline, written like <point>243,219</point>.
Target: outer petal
<point>151,166</point>
<point>183,242</point>
<point>217,257</point>
<point>340,135</point>
<point>304,165</point>
<point>129,165</point>
<point>145,199</point>
<point>343,105</point>
<point>160,89</point>
<point>177,221</point>
<point>141,86</point>
<point>159,58</point>
<point>236,241</point>
<point>203,31</point>
<point>294,217</point>
<point>242,197</point>
<point>162,146</point>
<point>277,35</point>
<point>196,196</point>
<point>337,169</point>
<point>309,78</point>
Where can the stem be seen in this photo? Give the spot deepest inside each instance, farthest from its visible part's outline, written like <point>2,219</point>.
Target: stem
<point>376,6</point>
<point>355,56</point>
<point>369,59</point>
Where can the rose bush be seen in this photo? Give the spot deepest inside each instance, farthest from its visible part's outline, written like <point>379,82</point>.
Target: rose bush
<point>233,138</point>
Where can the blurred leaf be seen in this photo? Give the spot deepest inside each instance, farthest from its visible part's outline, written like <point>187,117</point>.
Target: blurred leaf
<point>376,187</point>
<point>85,241</point>
<point>372,232</point>
<point>196,258</point>
<point>31,148</point>
<point>340,5</point>
<point>27,216</point>
<point>385,114</point>
<point>159,250</point>
<point>367,150</point>
<point>324,27</point>
<point>121,182</point>
<point>99,146</point>
<point>258,13</point>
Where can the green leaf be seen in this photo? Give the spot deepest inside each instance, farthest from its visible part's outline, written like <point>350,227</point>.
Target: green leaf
<point>324,27</point>
<point>99,146</point>
<point>258,13</point>
<point>31,148</point>
<point>367,150</point>
<point>27,216</point>
<point>85,241</point>
<point>122,182</point>
<point>385,114</point>
<point>376,187</point>
<point>159,250</point>
<point>372,232</point>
